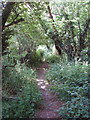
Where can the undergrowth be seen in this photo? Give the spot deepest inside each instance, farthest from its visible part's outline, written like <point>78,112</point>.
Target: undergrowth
<point>71,84</point>
<point>21,95</point>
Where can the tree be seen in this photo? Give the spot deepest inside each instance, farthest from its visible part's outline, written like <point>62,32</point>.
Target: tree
<point>64,25</point>
<point>5,16</point>
<point>67,39</point>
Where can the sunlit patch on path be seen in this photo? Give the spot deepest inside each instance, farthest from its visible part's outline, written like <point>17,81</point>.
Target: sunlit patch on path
<point>50,104</point>
<point>42,83</point>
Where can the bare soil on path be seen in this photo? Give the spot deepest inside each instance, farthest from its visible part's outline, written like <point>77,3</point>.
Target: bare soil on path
<point>50,103</point>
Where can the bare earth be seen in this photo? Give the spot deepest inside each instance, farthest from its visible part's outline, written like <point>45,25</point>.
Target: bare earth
<point>50,104</point>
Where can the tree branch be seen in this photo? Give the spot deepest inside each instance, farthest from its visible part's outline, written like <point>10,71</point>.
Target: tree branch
<point>51,16</point>
<point>6,12</point>
<point>55,36</point>
<point>14,22</point>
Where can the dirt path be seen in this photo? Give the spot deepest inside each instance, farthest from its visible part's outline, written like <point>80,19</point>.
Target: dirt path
<point>50,103</point>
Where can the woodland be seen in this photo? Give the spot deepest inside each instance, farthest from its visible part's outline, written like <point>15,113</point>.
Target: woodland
<point>46,60</point>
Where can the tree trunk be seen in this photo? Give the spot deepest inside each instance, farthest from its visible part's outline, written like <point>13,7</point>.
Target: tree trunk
<point>83,35</point>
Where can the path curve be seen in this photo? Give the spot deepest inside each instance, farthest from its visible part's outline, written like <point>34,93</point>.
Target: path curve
<point>50,104</point>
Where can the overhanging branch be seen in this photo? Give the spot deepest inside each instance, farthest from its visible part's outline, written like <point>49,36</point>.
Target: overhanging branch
<point>15,22</point>
<point>6,12</point>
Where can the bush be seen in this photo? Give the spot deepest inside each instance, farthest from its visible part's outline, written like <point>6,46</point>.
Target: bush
<point>33,59</point>
<point>36,58</point>
<point>22,81</point>
<point>15,78</point>
<point>52,58</point>
<point>76,108</point>
<point>24,105</point>
<point>70,82</point>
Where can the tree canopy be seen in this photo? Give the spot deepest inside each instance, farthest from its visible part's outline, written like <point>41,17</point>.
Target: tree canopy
<point>64,24</point>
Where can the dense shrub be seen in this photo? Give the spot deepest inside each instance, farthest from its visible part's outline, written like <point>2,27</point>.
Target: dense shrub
<point>52,58</point>
<point>21,95</point>
<point>76,108</point>
<point>48,55</point>
<point>33,59</point>
<point>36,58</point>
<point>70,82</point>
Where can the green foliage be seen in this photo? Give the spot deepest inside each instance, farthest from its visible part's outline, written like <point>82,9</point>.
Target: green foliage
<point>47,54</point>
<point>33,59</point>
<point>40,52</point>
<point>70,82</point>
<point>84,54</point>
<point>20,82</point>
<point>25,103</point>
<point>53,58</point>
<point>37,28</point>
<point>76,108</point>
